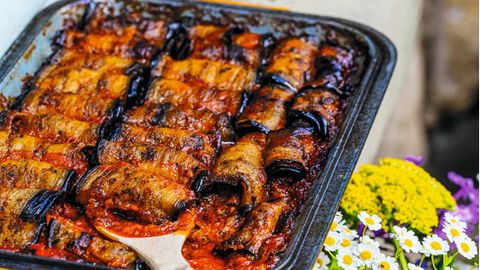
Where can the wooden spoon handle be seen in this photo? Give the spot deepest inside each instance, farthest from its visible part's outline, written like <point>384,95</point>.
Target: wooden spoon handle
<point>160,252</point>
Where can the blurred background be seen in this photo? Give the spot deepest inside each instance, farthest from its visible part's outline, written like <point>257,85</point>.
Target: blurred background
<point>431,106</point>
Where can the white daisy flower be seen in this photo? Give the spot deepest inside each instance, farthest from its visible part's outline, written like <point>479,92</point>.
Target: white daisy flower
<point>351,233</point>
<point>412,266</point>
<point>367,254</point>
<point>386,263</point>
<point>332,241</point>
<point>322,262</point>
<point>434,245</point>
<point>346,259</point>
<point>407,239</point>
<point>346,241</point>
<point>337,222</point>
<point>373,222</point>
<point>466,246</point>
<point>366,239</point>
<point>452,231</point>
<point>454,220</point>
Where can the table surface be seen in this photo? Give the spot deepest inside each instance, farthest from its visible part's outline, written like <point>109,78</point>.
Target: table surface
<point>397,19</point>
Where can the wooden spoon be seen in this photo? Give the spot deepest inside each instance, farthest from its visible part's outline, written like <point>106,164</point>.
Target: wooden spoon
<point>159,252</point>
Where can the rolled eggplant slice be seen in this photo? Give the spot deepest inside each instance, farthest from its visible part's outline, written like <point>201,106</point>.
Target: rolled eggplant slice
<point>260,224</point>
<point>202,146</point>
<point>242,165</point>
<point>196,97</point>
<point>333,64</point>
<point>27,204</point>
<point>64,235</point>
<point>84,81</point>
<point>290,153</point>
<point>212,74</point>
<point>16,233</point>
<point>266,112</point>
<point>180,117</point>
<point>292,63</point>
<point>162,161</point>
<point>146,196</point>
<point>26,173</point>
<point>102,63</point>
<point>119,44</point>
<point>53,128</point>
<point>321,108</point>
<point>68,156</point>
<point>75,106</point>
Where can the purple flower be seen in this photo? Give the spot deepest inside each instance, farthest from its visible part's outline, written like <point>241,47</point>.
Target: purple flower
<point>467,189</point>
<point>417,160</point>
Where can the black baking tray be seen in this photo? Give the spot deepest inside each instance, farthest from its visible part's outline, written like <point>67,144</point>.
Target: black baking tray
<point>32,47</point>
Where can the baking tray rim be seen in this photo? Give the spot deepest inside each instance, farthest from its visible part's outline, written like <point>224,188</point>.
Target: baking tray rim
<point>301,250</point>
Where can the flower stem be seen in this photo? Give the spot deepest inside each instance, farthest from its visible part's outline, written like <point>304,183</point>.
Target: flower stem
<point>364,230</point>
<point>398,249</point>
<point>421,260</point>
<point>433,262</point>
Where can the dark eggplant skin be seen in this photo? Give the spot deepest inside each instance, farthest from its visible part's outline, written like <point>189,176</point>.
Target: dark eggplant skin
<point>89,12</point>
<point>261,223</point>
<point>315,120</point>
<point>37,207</point>
<point>138,85</point>
<point>242,165</point>
<point>177,44</point>
<point>276,79</point>
<point>290,153</point>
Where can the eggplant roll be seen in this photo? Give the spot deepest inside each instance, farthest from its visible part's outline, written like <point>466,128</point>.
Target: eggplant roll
<point>211,74</point>
<point>64,235</point>
<point>333,65</point>
<point>101,63</point>
<point>292,62</point>
<point>22,212</point>
<point>69,156</point>
<point>260,224</point>
<point>290,153</point>
<point>266,112</point>
<point>242,165</point>
<point>162,161</point>
<point>27,204</point>
<point>202,146</point>
<point>319,106</point>
<point>119,44</point>
<point>147,196</point>
<point>223,43</point>
<point>83,81</point>
<point>195,97</point>
<point>180,117</point>
<point>25,173</point>
<point>76,106</point>
<point>54,128</point>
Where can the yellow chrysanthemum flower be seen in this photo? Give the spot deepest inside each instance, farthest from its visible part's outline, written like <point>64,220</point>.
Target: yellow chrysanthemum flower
<point>400,190</point>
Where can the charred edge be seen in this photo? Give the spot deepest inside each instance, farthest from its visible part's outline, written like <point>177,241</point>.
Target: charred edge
<point>160,113</point>
<point>89,11</point>
<point>327,65</point>
<point>115,110</point>
<point>249,126</point>
<point>52,226</point>
<point>69,181</point>
<point>136,89</point>
<point>317,121</point>
<point>243,103</point>
<point>177,43</point>
<point>268,43</point>
<point>286,169</point>
<point>182,207</point>
<point>28,88</point>
<point>275,79</point>
<point>233,51</point>
<point>38,205</point>
<point>199,182</point>
<point>326,86</point>
<point>95,158</point>
<point>282,221</point>
<point>244,210</point>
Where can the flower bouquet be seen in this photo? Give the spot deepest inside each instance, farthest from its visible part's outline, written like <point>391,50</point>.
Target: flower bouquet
<point>396,216</point>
